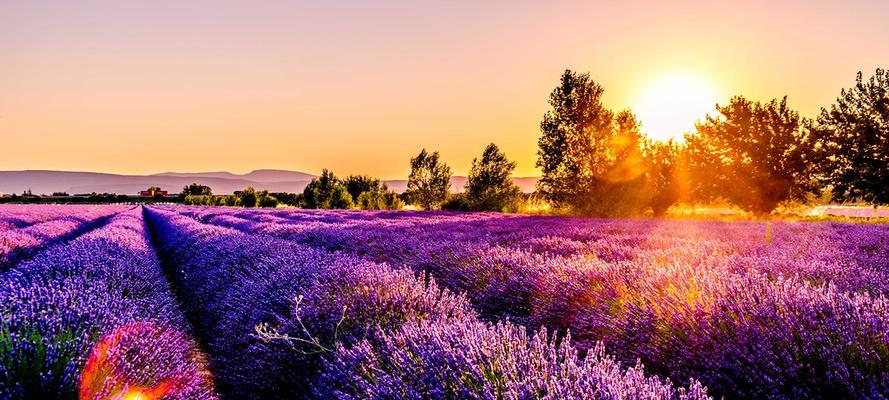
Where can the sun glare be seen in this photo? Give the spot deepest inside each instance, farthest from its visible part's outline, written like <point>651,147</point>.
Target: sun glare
<point>134,395</point>
<point>670,105</point>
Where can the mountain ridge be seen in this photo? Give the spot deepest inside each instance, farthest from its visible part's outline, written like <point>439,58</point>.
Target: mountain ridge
<point>258,175</point>
<point>222,182</point>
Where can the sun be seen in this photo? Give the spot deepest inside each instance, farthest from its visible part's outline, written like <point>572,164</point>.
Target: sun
<point>669,105</point>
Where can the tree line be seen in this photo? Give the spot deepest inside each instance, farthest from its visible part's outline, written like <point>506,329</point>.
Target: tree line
<point>324,192</point>
<point>201,195</point>
<point>598,162</point>
<point>489,187</point>
<point>755,155</point>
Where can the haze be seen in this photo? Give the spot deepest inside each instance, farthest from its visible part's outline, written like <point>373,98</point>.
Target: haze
<point>360,87</point>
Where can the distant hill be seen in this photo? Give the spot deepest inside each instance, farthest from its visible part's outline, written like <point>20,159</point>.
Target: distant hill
<point>47,182</point>
<point>222,182</point>
<point>259,175</point>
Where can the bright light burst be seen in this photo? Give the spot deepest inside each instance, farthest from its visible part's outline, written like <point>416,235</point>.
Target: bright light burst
<point>135,395</point>
<point>670,105</point>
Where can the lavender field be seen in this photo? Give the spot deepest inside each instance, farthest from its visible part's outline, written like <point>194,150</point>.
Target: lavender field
<point>172,302</point>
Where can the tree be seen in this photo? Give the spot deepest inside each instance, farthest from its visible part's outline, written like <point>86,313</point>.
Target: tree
<point>490,186</point>
<point>663,174</point>
<point>318,192</point>
<point>340,198</point>
<point>196,190</point>
<point>755,155</point>
<point>358,184</point>
<point>266,200</point>
<point>326,191</point>
<point>590,158</point>
<point>430,180</point>
<point>369,193</point>
<point>853,141</point>
<point>380,199</point>
<point>247,197</point>
<point>570,132</point>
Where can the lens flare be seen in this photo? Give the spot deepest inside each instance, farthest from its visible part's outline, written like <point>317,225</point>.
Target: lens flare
<point>140,361</point>
<point>135,395</point>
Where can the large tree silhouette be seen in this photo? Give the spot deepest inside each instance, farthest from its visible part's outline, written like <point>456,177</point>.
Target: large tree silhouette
<point>755,155</point>
<point>490,186</point>
<point>572,134</point>
<point>196,190</point>
<point>590,158</point>
<point>358,184</point>
<point>326,191</point>
<point>430,180</point>
<point>853,137</point>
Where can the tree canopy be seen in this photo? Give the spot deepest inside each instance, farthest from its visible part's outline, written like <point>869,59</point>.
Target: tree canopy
<point>489,186</point>
<point>853,139</point>
<point>379,199</point>
<point>195,189</point>
<point>247,197</point>
<point>430,180</point>
<point>358,184</point>
<point>756,155</point>
<point>590,157</point>
<point>326,191</point>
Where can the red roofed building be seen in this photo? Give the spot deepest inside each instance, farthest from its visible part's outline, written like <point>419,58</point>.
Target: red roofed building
<point>153,191</point>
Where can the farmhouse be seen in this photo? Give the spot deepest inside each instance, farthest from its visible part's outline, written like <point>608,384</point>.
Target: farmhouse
<point>153,191</point>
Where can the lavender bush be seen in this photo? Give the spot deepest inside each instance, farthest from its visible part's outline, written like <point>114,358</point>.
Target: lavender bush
<point>472,360</point>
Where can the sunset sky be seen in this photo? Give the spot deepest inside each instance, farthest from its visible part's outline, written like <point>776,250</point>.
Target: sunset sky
<point>360,87</point>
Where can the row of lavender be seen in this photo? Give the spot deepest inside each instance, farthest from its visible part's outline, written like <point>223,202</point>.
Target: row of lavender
<point>24,230</point>
<point>284,320</point>
<point>95,318</point>
<point>782,310</point>
<point>851,257</point>
<point>21,216</point>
